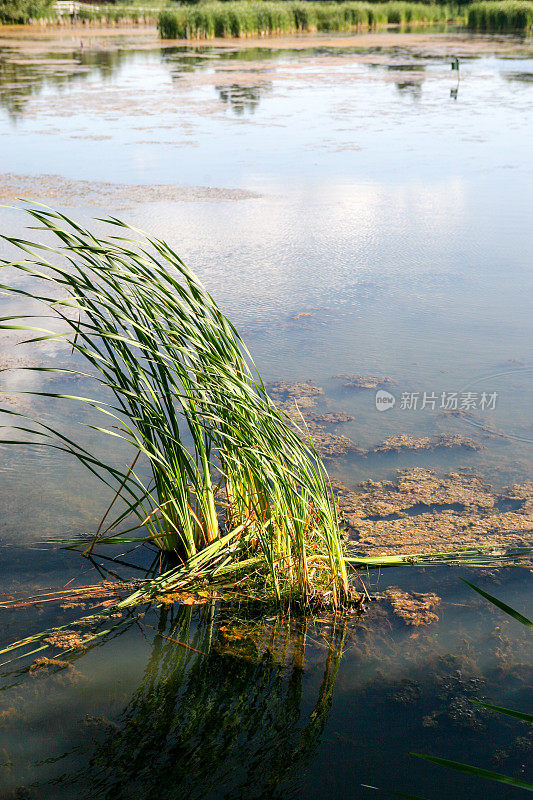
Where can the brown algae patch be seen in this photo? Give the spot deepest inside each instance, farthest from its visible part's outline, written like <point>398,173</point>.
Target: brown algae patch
<point>37,40</point>
<point>414,608</point>
<point>331,418</point>
<point>398,444</point>
<point>74,192</point>
<point>422,511</point>
<point>298,400</point>
<point>293,390</point>
<point>365,381</point>
<point>69,639</point>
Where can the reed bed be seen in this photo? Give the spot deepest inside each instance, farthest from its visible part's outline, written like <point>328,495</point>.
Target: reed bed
<point>233,488</point>
<point>115,15</point>
<point>502,17</point>
<point>242,18</point>
<point>21,12</point>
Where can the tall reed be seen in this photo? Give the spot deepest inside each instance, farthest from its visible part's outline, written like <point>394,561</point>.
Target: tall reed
<point>506,16</point>
<point>232,483</point>
<point>243,18</point>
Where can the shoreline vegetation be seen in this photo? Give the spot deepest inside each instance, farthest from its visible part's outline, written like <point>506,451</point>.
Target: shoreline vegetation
<point>268,18</point>
<point>500,16</point>
<point>261,18</point>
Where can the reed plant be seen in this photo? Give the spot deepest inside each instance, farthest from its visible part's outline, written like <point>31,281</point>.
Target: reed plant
<point>505,17</point>
<point>242,18</point>
<point>232,486</point>
<point>236,496</point>
<point>113,15</point>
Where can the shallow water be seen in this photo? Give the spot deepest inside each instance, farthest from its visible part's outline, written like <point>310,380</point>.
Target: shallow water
<point>356,182</point>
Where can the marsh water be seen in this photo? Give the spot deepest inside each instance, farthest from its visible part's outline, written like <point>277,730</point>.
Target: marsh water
<point>357,208</point>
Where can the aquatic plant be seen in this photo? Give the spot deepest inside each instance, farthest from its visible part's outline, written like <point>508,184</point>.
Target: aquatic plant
<point>243,18</point>
<point>233,487</point>
<point>120,14</point>
<point>506,16</point>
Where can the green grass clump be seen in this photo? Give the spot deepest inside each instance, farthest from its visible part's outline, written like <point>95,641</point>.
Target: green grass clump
<point>507,16</point>
<point>232,487</point>
<point>243,18</point>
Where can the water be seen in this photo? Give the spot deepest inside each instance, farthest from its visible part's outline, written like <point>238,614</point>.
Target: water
<point>357,182</point>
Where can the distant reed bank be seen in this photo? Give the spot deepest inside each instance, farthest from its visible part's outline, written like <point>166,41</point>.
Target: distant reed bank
<point>505,17</point>
<point>243,18</point>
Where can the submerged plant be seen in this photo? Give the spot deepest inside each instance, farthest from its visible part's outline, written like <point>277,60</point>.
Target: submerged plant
<point>232,485</point>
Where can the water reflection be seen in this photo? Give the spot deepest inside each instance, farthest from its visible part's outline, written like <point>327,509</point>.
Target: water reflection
<point>222,703</point>
<point>24,78</point>
<point>243,99</point>
<point>412,89</point>
<point>219,712</point>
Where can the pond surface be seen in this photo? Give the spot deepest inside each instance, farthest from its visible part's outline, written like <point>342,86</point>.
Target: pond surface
<point>357,208</point>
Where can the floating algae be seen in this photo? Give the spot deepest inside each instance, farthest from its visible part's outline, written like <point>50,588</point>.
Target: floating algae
<point>69,639</point>
<point>298,400</point>
<point>424,511</point>
<point>365,381</point>
<point>402,442</point>
<point>414,608</point>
